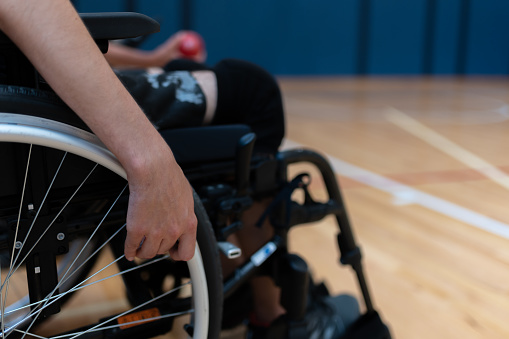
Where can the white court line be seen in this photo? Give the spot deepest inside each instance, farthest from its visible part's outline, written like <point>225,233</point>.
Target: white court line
<point>413,196</point>
<point>443,144</point>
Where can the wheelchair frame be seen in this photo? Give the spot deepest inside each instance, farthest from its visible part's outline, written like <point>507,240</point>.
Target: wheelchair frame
<point>226,186</point>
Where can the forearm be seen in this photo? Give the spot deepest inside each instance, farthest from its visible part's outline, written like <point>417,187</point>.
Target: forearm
<point>124,56</point>
<point>72,64</point>
<point>121,56</point>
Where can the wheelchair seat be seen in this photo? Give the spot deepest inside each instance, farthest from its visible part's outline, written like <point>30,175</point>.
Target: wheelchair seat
<point>205,143</point>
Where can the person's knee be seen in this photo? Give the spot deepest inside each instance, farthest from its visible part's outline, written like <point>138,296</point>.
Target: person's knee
<point>254,74</point>
<point>251,95</point>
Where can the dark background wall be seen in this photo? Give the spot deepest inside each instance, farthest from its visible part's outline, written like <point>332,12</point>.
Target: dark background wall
<point>345,37</point>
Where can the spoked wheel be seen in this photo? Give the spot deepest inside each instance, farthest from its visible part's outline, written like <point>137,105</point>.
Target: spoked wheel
<point>63,202</point>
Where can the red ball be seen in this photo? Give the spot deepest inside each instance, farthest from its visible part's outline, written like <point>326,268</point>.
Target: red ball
<point>191,44</point>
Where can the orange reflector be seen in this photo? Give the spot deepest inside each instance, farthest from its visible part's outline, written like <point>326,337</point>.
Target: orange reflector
<point>141,315</point>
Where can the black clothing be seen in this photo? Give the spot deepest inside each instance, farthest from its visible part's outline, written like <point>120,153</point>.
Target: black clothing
<point>247,94</point>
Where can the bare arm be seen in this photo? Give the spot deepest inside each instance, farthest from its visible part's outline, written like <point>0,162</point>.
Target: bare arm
<point>123,56</point>
<point>53,37</point>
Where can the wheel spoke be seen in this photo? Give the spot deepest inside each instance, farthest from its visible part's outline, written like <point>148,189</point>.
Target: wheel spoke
<point>135,322</point>
<point>81,286</point>
<point>12,271</point>
<point>74,266</point>
<point>64,278</point>
<point>36,215</point>
<point>133,309</point>
<point>20,208</point>
<point>98,329</point>
<point>30,334</point>
<point>49,296</point>
<point>63,281</point>
<point>90,239</point>
<point>51,299</point>
<point>3,292</point>
<point>49,226</point>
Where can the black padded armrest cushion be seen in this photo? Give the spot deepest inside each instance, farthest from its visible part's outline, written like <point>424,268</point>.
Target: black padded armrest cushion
<point>113,26</point>
<point>119,25</point>
<point>204,143</point>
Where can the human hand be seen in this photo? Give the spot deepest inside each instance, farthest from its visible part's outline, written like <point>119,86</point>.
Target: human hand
<point>170,50</point>
<point>160,215</point>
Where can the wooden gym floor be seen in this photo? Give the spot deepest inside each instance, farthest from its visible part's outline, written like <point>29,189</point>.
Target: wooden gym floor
<point>424,172</point>
<point>423,169</point>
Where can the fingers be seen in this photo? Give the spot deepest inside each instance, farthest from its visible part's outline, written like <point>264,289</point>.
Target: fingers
<point>146,245</point>
<point>149,248</point>
<point>180,250</point>
<point>132,244</point>
<point>184,248</point>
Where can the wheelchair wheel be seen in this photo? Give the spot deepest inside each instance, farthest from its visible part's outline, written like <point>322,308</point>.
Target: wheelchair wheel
<point>62,207</point>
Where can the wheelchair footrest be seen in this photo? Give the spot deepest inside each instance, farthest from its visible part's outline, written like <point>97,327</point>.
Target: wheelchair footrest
<point>293,278</point>
<point>368,326</point>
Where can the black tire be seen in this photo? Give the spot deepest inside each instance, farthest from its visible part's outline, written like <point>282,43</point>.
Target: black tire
<point>212,264</point>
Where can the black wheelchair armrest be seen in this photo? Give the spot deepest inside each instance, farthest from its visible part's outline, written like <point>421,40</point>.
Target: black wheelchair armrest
<point>119,25</point>
<point>112,26</point>
<point>205,144</point>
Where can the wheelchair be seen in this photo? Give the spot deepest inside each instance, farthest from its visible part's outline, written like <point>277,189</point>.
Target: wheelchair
<point>63,203</point>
